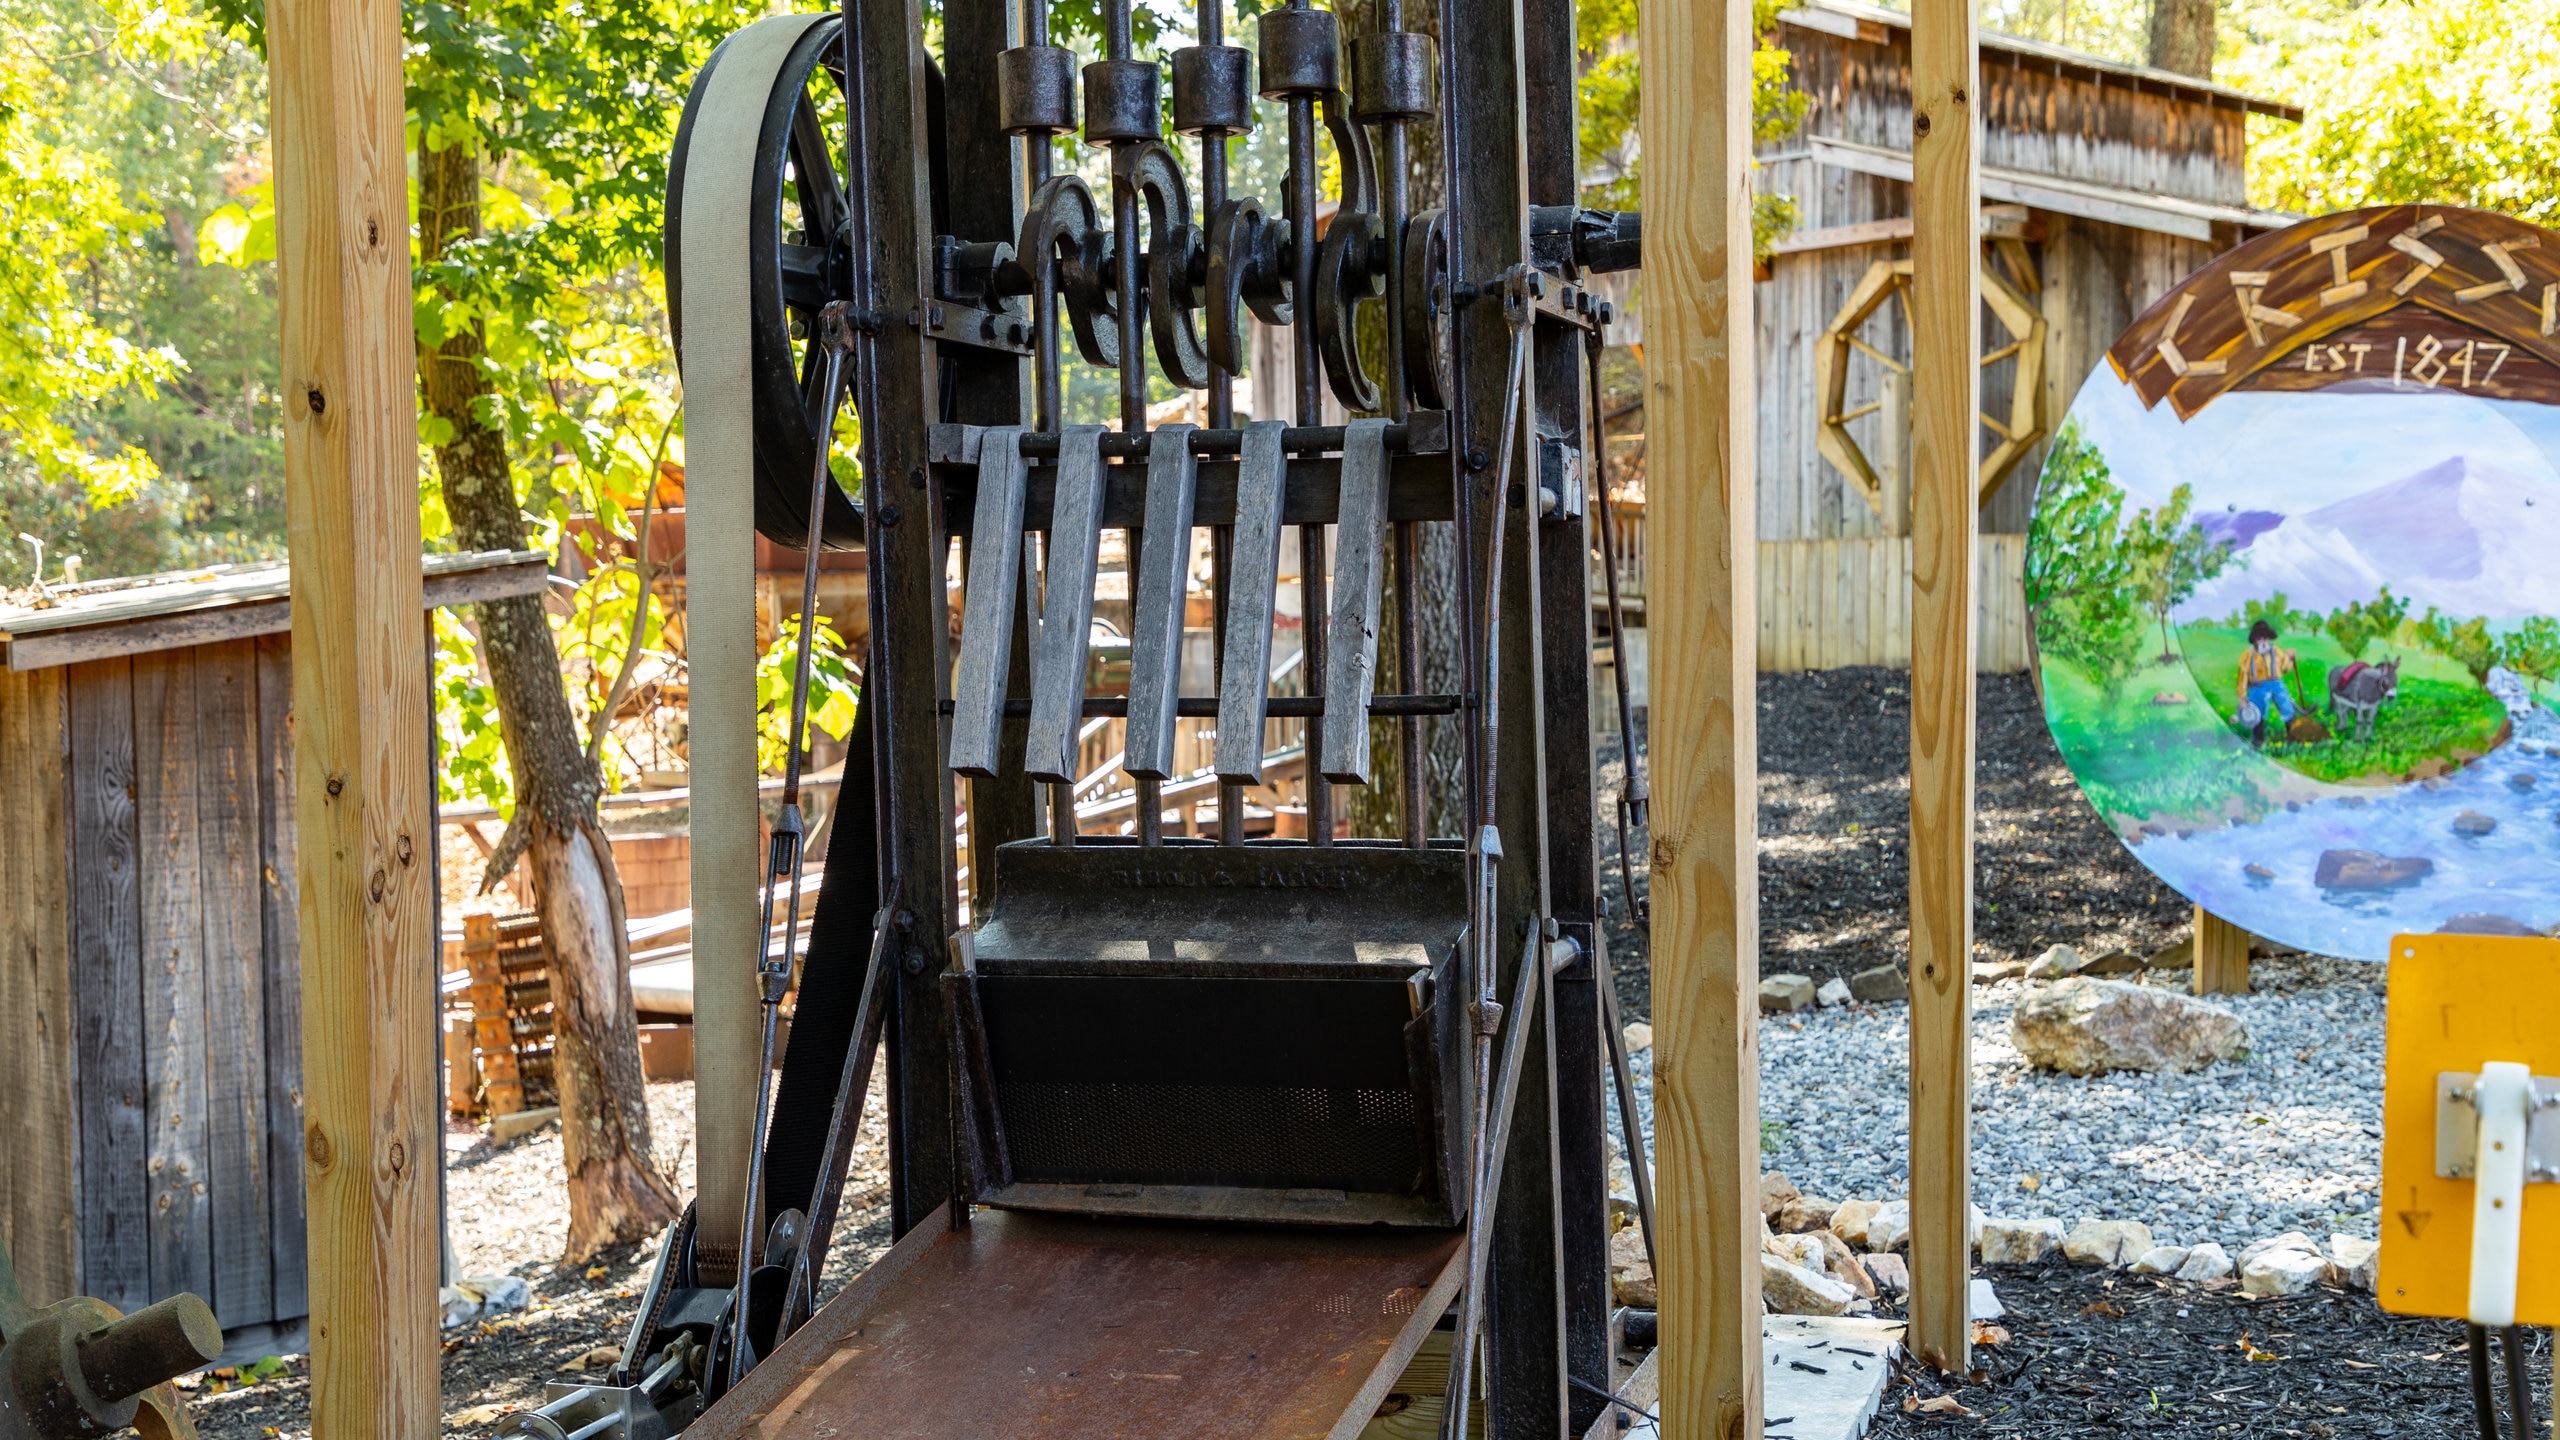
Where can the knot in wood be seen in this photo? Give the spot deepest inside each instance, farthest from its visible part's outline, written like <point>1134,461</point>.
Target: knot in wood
<point>380,883</point>
<point>315,1146</point>
<point>1919,123</point>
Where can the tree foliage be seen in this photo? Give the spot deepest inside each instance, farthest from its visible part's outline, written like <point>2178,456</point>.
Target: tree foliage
<point>2361,622</point>
<point>1611,104</point>
<point>2172,556</point>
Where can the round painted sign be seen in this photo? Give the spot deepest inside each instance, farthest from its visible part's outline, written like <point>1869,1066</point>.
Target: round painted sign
<point>2294,576</point>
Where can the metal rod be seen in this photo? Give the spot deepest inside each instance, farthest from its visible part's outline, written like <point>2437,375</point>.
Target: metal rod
<point>1633,796</point>
<point>1491,1151</point>
<point>1222,544</point>
<point>2484,1397</point>
<point>1622,1074</point>
<point>2519,1386</point>
<point>1312,609</point>
<point>1417,819</point>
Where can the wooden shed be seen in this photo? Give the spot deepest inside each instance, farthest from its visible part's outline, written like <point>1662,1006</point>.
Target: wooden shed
<point>2103,184</point>
<point>150,1022</point>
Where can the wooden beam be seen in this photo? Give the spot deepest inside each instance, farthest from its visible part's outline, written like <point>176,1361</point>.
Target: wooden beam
<point>1706,898</point>
<point>39,1198</point>
<point>372,1141</point>
<point>2222,956</point>
<point>1946,325</point>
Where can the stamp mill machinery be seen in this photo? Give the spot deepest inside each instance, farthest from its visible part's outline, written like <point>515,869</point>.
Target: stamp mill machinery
<point>1198,1135</point>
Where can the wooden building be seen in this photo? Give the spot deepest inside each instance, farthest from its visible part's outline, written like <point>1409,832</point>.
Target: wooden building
<point>150,1030</point>
<point>2103,185</point>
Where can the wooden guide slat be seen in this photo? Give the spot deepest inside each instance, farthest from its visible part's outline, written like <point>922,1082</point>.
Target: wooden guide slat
<point>280,922</point>
<point>986,633</point>
<point>235,1101</point>
<point>1359,576</point>
<point>1163,581</point>
<point>106,968</point>
<point>1075,546</point>
<point>1244,687</point>
<point>169,868</point>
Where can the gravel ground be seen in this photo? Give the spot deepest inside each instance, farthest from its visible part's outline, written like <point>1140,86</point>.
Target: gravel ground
<point>509,1214</point>
<point>2092,1352</point>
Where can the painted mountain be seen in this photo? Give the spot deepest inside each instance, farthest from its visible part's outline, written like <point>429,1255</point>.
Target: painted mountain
<point>2467,538</point>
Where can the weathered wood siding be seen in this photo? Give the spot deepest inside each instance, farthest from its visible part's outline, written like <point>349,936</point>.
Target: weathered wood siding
<point>39,1152</point>
<point>1827,604</point>
<point>149,1017</point>
<point>2095,277</point>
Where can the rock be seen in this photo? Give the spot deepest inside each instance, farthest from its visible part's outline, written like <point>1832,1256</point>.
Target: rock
<point>2169,697</point>
<point>2474,922</point>
<point>1849,1222</point>
<point>2122,962</point>
<point>1780,994</point>
<point>2472,822</point>
<point>2366,870</point>
<point>1775,1191</point>
<point>2054,963</point>
<point>2161,1260</point>
<point>1630,1273</point>
<point>2112,1243</point>
<point>1802,1250</point>
<point>1890,1226</point>
<point>1843,1266</point>
<point>2086,1027</point>
<point>475,1297</point>
<point>2019,1242</point>
<point>2180,955</point>
<point>2289,1240</point>
<point>1639,1038</point>
<point>2521,780</point>
<point>1891,1275</point>
<point>2358,1262</point>
<point>1834,991</point>
<point>1997,972</point>
<point>1805,1212</point>
<point>2282,1272</point>
<point>1880,985</point>
<point>1791,1289</point>
<point>1983,1301</point>
<point>2207,1261</point>
<point>2256,871</point>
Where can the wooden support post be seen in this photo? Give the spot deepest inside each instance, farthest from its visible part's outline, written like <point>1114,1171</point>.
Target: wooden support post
<point>371,1136</point>
<point>2222,956</point>
<point>1946,325</point>
<point>1706,896</point>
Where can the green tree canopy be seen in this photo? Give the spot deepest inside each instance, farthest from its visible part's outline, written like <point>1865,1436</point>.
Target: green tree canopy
<point>2079,570</point>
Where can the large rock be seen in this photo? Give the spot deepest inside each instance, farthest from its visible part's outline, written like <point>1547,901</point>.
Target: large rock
<point>2112,1243</point>
<point>1889,1271</point>
<point>2120,962</point>
<point>2282,1272</point>
<point>1805,1212</point>
<point>1780,994</point>
<point>1840,1264</point>
<point>2367,870</point>
<point>1630,1273</point>
<point>2019,1242</point>
<point>1883,983</point>
<point>1834,991</point>
<point>1850,1221</point>
<point>2086,1027</point>
<point>2057,962</point>
<point>2289,1240</point>
<point>2207,1261</point>
<point>1775,1191</point>
<point>2161,1260</point>
<point>2472,822</point>
<point>1791,1289</point>
<point>1890,1227</point>
<point>2358,1262</point>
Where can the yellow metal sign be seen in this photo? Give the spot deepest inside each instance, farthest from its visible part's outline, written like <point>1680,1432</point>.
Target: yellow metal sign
<point>2457,1002</point>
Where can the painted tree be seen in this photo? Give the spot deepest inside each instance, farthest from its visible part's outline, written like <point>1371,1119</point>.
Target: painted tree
<point>2172,556</point>
<point>2359,623</point>
<point>2079,570</point>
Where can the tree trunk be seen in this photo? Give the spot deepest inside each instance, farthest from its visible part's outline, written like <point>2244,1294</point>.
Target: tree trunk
<point>615,1195</point>
<point>2182,37</point>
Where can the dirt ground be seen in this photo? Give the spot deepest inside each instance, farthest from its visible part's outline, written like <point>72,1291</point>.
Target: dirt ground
<point>2097,1352</point>
<point>1835,821</point>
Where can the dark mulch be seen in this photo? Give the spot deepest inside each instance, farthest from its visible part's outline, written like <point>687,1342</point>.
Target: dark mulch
<point>1835,817</point>
<point>2094,1352</point>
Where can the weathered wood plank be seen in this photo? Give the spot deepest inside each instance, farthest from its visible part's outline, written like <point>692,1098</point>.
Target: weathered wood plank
<point>372,1137</point>
<point>106,969</point>
<point>1946,309</point>
<point>169,866</point>
<point>235,1104</point>
<point>280,971</point>
<point>1696,127</point>
<point>38,1195</point>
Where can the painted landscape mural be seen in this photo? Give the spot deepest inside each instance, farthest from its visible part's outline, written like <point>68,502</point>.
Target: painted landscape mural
<point>2301,645</point>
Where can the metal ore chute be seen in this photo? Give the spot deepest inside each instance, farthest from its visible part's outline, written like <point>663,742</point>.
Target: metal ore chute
<point>1180,1120</point>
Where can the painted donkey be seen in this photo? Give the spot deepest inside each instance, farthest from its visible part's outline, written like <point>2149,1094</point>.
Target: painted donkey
<point>2357,692</point>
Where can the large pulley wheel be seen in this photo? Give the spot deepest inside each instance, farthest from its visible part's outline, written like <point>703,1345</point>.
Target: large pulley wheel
<point>798,259</point>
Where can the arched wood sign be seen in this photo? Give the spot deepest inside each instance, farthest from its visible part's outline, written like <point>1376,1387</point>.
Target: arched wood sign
<point>2294,580</point>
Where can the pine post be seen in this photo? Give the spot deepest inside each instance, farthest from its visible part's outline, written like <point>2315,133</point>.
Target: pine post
<point>372,1140</point>
<point>1696,130</point>
<point>1946,325</point>
<point>2222,956</point>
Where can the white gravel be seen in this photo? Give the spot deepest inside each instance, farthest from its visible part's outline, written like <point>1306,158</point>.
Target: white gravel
<point>2288,1138</point>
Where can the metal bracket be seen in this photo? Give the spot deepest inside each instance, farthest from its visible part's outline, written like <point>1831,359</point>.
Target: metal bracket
<point>2458,1129</point>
